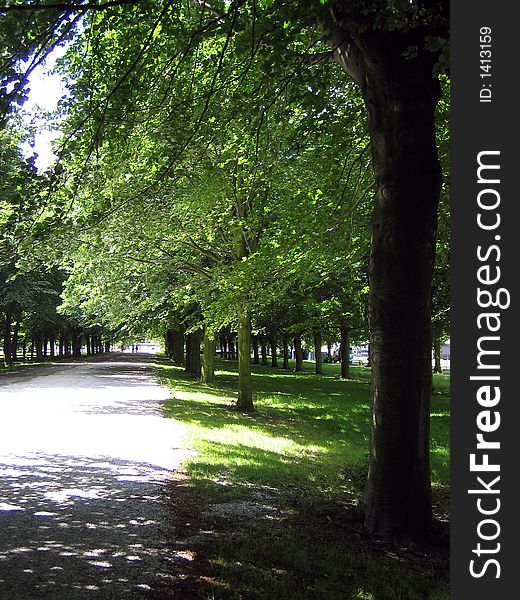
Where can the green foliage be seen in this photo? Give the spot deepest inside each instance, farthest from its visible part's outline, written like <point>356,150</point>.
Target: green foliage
<point>302,459</point>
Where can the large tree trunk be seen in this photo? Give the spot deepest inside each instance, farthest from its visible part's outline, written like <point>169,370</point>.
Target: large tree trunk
<point>318,357</point>
<point>401,96</point>
<point>208,359</point>
<point>245,381</point>
<point>344,352</point>
<point>298,351</point>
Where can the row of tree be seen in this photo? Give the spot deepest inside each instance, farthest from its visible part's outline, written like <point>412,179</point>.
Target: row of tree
<point>217,170</point>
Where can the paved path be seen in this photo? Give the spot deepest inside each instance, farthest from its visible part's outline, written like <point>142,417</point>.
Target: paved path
<point>85,457</point>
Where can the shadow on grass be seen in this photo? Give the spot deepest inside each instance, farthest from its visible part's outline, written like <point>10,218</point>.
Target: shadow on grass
<point>319,420</point>
<point>303,455</point>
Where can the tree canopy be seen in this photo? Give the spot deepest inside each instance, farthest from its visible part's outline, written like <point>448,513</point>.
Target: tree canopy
<point>243,171</point>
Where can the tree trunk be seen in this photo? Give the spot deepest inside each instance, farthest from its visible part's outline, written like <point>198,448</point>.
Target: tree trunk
<point>168,343</point>
<point>263,350</point>
<point>329,352</point>
<point>401,96</point>
<point>245,381</point>
<point>178,348</point>
<point>224,345</point>
<point>76,343</point>
<point>231,349</point>
<point>437,356</point>
<point>14,343</point>
<point>285,354</point>
<point>344,352</point>
<point>8,355</point>
<point>174,341</point>
<point>208,359</point>
<point>318,357</point>
<point>256,358</point>
<point>272,343</point>
<point>193,363</point>
<point>298,352</point>
<point>39,347</point>
<point>187,366</point>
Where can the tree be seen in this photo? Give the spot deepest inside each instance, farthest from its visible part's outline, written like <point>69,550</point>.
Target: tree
<point>391,50</point>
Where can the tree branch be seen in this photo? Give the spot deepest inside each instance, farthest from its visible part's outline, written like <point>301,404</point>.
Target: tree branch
<point>65,6</point>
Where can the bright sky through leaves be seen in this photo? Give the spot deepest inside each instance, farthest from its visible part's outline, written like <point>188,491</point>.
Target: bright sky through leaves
<point>46,89</point>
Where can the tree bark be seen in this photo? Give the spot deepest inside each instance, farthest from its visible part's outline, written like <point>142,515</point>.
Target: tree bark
<point>263,351</point>
<point>174,340</point>
<point>8,323</point>
<point>232,354</point>
<point>272,343</point>
<point>14,343</point>
<point>187,366</point>
<point>256,358</point>
<point>401,96</point>
<point>344,352</point>
<point>285,354</point>
<point>224,346</point>
<point>245,381</point>
<point>298,351</point>
<point>318,357</point>
<point>208,359</point>
<point>76,343</point>
<point>193,363</point>
<point>178,348</point>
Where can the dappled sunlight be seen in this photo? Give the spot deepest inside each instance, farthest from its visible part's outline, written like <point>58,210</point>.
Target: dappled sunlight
<point>304,430</point>
<point>85,460</point>
<point>230,434</point>
<point>80,522</point>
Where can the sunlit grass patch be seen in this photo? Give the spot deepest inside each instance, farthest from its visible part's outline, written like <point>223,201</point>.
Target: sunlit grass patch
<point>309,431</point>
<point>304,453</point>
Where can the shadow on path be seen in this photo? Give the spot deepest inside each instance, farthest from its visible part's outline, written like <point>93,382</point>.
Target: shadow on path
<point>86,461</point>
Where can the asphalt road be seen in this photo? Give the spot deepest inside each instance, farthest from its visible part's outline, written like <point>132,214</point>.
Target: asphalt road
<point>85,459</point>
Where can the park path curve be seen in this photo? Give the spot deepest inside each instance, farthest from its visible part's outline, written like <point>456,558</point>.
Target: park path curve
<point>85,460</point>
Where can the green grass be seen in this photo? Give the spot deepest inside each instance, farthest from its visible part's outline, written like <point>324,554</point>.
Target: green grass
<point>306,450</point>
<point>308,431</point>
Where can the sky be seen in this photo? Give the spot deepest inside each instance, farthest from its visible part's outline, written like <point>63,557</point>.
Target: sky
<point>46,89</point>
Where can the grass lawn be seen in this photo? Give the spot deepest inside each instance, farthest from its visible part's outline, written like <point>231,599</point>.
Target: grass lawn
<point>277,489</point>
